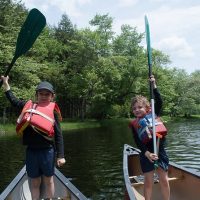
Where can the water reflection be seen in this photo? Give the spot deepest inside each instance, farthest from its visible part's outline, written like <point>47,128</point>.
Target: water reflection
<point>99,156</point>
<point>94,156</point>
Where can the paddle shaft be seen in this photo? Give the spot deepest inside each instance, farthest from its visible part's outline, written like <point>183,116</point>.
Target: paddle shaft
<point>149,55</point>
<point>9,68</point>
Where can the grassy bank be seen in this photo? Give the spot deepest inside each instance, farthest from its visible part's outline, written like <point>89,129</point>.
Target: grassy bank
<point>9,129</point>
<point>66,125</point>
<point>71,125</point>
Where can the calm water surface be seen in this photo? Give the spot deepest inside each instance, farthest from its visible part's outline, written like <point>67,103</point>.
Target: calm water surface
<point>94,156</point>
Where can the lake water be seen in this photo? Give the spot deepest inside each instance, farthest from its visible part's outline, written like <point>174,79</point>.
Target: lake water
<point>94,156</point>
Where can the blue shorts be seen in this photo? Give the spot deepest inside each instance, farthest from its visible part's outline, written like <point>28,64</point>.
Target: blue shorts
<point>148,166</point>
<point>40,162</point>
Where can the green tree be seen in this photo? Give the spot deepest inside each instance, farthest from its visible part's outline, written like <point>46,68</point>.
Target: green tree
<point>104,33</point>
<point>65,30</point>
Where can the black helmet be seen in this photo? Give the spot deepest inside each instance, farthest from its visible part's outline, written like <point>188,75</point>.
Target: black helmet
<point>46,86</point>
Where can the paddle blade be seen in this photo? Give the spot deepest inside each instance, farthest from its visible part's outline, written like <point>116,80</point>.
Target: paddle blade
<point>148,45</point>
<point>32,27</point>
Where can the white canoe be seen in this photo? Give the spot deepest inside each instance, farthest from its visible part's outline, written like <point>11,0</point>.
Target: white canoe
<point>184,183</point>
<point>18,189</point>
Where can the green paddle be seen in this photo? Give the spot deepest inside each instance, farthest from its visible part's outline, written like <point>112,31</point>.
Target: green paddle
<point>31,29</point>
<point>149,55</point>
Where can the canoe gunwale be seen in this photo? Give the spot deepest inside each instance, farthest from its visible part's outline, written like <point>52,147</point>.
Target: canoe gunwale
<point>125,170</point>
<point>186,170</point>
<point>13,183</point>
<point>69,185</point>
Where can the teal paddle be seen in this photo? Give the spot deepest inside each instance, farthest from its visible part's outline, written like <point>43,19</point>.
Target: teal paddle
<point>31,29</point>
<point>149,55</point>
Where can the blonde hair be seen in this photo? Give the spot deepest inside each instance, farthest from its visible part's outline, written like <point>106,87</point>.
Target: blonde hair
<point>141,100</point>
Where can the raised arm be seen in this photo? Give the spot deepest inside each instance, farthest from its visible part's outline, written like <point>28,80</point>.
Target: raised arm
<point>157,97</point>
<point>10,96</point>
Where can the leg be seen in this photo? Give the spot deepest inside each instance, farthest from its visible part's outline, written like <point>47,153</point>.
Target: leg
<point>49,186</point>
<point>164,183</point>
<point>148,184</point>
<point>47,158</point>
<point>35,188</point>
<point>33,173</point>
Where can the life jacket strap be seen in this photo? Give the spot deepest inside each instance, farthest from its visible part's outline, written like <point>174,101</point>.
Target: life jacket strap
<point>33,111</point>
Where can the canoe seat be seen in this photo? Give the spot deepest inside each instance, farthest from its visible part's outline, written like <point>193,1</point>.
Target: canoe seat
<point>173,178</point>
<point>60,198</point>
<point>135,181</point>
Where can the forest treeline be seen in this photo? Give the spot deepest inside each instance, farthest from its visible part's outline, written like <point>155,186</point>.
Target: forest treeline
<point>95,71</point>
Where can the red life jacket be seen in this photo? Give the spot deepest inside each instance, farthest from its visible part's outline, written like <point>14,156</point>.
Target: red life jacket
<point>144,129</point>
<point>39,116</point>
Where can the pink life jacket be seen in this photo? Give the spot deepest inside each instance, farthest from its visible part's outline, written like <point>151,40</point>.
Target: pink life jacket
<point>143,127</point>
<point>39,116</point>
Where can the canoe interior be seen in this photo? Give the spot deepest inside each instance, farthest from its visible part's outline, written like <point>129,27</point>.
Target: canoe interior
<point>184,184</point>
<point>18,189</point>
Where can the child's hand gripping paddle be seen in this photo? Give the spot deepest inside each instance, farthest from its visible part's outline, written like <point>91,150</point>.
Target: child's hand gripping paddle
<point>31,29</point>
<point>149,55</point>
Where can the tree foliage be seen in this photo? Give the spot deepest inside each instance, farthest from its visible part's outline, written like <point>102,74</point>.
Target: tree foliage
<point>95,71</point>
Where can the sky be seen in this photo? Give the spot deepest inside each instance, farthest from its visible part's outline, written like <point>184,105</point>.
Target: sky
<point>174,24</point>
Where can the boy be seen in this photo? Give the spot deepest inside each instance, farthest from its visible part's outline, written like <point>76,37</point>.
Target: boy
<point>42,135</point>
<point>141,109</point>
